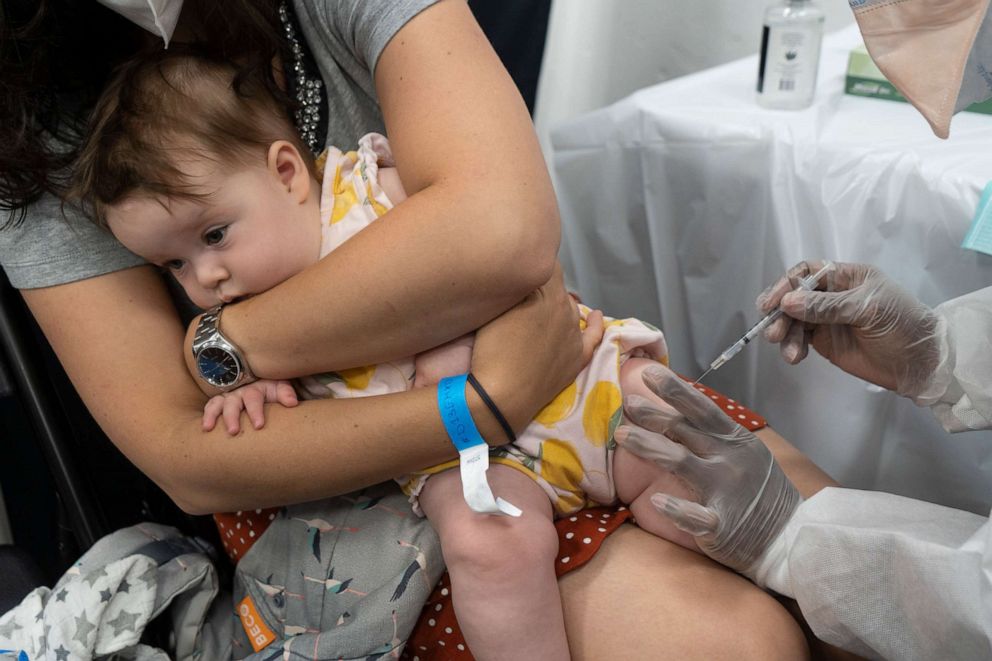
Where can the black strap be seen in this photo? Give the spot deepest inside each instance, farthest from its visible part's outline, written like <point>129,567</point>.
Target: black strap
<point>492,407</point>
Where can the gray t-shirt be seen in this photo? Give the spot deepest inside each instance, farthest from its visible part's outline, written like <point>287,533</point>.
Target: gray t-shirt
<point>345,37</point>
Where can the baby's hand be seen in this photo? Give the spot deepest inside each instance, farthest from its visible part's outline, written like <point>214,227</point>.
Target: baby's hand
<point>249,398</point>
<point>449,359</point>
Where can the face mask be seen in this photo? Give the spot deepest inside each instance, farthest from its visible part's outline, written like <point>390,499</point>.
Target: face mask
<point>937,53</point>
<point>157,16</point>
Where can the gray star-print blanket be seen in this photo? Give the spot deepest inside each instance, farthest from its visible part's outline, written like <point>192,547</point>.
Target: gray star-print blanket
<point>101,605</point>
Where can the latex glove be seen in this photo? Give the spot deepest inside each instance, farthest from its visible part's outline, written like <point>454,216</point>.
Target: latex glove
<point>744,497</point>
<point>864,323</point>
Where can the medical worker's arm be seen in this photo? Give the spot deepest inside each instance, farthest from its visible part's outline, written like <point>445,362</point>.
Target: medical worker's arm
<point>870,327</point>
<point>885,576</point>
<point>879,575</point>
<point>961,394</point>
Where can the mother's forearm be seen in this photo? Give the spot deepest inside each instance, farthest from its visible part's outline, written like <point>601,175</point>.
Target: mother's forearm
<point>319,449</point>
<point>437,266</point>
<point>118,337</point>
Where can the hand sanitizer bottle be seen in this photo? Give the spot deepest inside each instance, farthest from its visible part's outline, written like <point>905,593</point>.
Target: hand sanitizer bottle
<point>790,55</point>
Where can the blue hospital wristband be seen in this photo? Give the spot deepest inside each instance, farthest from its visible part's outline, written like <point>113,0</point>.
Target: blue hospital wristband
<point>455,415</point>
<point>473,453</point>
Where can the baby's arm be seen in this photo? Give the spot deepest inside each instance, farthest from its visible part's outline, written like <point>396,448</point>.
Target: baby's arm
<point>449,359</point>
<point>249,398</point>
<point>389,179</point>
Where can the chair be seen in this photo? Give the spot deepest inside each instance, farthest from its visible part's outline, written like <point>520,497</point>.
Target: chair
<point>65,484</point>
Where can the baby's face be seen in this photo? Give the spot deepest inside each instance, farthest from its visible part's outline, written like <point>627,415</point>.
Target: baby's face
<point>248,235</point>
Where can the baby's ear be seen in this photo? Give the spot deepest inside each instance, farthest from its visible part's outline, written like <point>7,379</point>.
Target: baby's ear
<point>286,164</point>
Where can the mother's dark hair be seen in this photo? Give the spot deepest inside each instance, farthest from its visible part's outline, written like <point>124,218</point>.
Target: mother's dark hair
<point>55,58</point>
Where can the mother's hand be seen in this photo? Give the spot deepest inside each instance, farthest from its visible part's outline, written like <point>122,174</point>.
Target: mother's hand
<point>530,353</point>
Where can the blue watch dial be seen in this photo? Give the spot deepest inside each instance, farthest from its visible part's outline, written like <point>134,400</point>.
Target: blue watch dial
<point>217,366</point>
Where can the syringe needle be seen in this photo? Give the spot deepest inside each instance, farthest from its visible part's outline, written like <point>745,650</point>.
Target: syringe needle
<point>808,284</point>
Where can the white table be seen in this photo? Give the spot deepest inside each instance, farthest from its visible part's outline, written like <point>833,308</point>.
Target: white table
<point>683,201</point>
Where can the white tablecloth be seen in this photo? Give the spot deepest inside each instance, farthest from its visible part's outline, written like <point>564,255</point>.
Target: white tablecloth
<point>683,201</point>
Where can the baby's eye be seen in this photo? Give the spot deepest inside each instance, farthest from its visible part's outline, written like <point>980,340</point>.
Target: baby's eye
<point>174,264</point>
<point>215,236</point>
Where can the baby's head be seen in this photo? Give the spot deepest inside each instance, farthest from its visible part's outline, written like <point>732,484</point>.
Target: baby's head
<point>202,176</point>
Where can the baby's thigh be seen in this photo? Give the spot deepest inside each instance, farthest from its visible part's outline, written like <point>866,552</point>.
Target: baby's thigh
<point>637,479</point>
<point>490,543</point>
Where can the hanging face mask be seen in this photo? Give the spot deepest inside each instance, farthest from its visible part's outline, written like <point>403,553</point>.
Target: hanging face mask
<point>937,53</point>
<point>157,16</point>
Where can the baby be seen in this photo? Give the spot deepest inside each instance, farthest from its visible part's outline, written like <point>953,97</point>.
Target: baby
<point>216,187</point>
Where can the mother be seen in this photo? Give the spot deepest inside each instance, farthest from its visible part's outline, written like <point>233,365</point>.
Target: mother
<point>482,208</point>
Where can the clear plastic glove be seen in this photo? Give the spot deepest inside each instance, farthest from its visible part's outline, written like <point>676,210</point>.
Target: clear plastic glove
<point>864,324</point>
<point>744,497</point>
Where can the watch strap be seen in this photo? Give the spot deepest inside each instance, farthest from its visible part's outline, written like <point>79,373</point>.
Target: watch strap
<point>207,327</point>
<point>208,332</point>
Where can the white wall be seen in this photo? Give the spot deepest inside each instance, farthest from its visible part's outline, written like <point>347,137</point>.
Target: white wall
<point>599,51</point>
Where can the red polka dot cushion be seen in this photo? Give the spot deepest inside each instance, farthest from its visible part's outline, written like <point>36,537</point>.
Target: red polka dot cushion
<point>437,636</point>
<point>239,530</point>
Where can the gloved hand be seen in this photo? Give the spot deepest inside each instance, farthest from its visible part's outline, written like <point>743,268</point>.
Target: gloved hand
<point>744,497</point>
<point>864,324</point>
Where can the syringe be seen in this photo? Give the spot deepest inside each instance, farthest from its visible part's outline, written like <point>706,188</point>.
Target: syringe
<point>808,283</point>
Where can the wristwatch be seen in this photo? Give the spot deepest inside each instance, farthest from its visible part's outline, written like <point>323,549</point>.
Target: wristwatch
<point>218,360</point>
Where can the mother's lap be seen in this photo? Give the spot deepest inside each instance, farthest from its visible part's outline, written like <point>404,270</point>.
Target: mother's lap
<point>640,594</point>
<point>643,597</point>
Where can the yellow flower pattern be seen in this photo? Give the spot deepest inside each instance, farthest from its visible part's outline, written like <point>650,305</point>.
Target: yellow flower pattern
<point>345,197</point>
<point>568,448</point>
<point>602,403</point>
<point>357,378</point>
<point>562,465</point>
<point>559,407</point>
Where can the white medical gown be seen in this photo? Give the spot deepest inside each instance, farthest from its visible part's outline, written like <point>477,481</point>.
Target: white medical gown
<point>890,577</point>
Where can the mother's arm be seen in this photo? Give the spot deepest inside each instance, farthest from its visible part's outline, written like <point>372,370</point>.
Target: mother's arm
<point>118,337</point>
<point>479,231</point>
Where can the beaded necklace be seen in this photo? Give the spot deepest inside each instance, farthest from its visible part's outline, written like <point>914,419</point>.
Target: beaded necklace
<point>304,84</point>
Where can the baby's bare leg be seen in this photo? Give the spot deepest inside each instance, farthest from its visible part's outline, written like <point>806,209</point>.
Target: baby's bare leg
<point>637,479</point>
<point>503,585</point>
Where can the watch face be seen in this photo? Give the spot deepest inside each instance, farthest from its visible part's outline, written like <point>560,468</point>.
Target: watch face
<point>217,366</point>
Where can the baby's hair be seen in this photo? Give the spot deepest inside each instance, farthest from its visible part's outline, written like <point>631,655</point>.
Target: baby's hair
<point>161,111</point>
